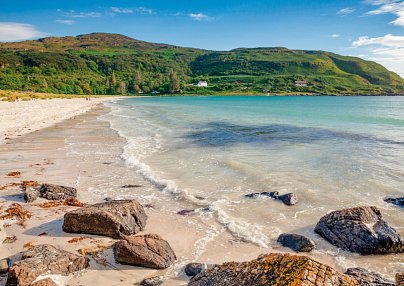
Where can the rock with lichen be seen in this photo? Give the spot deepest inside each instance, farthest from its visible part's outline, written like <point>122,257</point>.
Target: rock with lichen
<point>273,269</point>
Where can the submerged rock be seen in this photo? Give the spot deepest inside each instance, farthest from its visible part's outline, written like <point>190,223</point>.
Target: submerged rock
<point>395,201</point>
<point>148,250</point>
<point>273,269</point>
<point>152,281</point>
<point>365,277</point>
<point>193,269</point>
<point>296,242</point>
<point>186,212</point>
<point>57,193</point>
<point>274,195</point>
<point>288,199</point>
<point>115,219</point>
<point>131,186</point>
<point>44,259</point>
<point>360,230</point>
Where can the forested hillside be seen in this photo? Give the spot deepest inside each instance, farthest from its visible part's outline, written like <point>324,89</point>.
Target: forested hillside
<point>114,64</point>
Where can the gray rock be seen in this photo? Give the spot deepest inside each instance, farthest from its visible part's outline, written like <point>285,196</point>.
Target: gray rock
<point>193,269</point>
<point>395,201</point>
<point>31,195</point>
<point>44,259</point>
<point>365,277</point>
<point>360,230</point>
<point>148,250</point>
<point>288,199</point>
<point>115,219</point>
<point>153,281</point>
<point>266,194</point>
<point>56,193</point>
<point>296,242</point>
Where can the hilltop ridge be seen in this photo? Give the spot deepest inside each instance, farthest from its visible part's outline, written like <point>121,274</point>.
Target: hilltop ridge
<point>102,63</point>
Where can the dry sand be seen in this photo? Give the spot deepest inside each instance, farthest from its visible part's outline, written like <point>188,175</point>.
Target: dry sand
<point>19,118</point>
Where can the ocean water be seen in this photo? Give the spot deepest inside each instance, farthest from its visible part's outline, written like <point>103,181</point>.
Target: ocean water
<point>332,152</point>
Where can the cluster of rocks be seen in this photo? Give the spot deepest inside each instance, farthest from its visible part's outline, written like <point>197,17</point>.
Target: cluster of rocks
<point>361,230</point>
<point>120,220</point>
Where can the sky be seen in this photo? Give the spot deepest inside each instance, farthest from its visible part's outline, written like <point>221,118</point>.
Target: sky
<point>370,29</point>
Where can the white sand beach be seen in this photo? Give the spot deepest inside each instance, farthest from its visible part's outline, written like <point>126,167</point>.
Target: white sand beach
<point>19,118</point>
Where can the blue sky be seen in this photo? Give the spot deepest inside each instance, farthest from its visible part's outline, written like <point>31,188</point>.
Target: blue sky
<point>371,29</point>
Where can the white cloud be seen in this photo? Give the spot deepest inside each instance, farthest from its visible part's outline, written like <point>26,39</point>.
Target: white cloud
<point>65,22</point>
<point>199,17</point>
<point>10,31</point>
<point>140,10</point>
<point>346,11</point>
<point>76,14</point>
<point>387,41</point>
<point>395,7</point>
<point>387,50</point>
<point>143,10</point>
<point>335,36</point>
<point>121,10</point>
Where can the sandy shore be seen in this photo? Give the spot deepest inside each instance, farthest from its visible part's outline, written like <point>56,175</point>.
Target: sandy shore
<point>84,152</point>
<point>19,118</point>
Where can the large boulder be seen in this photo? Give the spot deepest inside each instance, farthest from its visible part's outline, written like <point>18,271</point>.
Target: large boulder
<point>365,277</point>
<point>360,230</point>
<point>44,259</point>
<point>57,193</point>
<point>115,219</point>
<point>148,250</point>
<point>273,269</point>
<point>296,242</point>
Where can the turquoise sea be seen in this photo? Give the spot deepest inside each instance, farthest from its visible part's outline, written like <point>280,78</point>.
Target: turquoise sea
<point>332,152</point>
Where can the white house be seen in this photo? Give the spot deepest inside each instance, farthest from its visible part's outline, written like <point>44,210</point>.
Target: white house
<point>202,83</point>
<point>300,83</point>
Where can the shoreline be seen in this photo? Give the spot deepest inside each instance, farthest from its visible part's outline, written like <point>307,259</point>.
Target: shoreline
<point>47,156</point>
<point>84,152</point>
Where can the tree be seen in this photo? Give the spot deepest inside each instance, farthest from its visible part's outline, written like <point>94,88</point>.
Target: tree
<point>174,82</point>
<point>122,87</point>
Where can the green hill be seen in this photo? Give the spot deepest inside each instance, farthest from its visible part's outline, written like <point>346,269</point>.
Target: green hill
<point>102,63</point>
